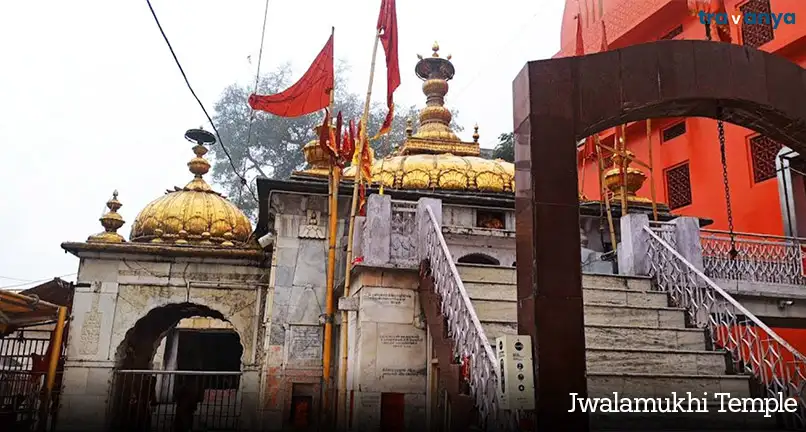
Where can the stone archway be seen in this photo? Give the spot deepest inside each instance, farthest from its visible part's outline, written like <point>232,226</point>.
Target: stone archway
<point>137,391</point>
<point>478,258</point>
<point>559,101</point>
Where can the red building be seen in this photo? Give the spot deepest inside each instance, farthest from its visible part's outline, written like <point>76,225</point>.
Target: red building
<point>686,155</point>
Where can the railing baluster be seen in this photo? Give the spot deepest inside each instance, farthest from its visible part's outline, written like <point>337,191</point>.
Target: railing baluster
<point>753,346</point>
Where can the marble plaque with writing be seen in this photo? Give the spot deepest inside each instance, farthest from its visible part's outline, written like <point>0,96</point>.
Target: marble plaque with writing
<point>387,305</point>
<point>303,347</point>
<point>401,357</point>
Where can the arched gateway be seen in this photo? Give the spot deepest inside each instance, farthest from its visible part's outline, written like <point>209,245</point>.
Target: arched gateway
<point>556,103</point>
<point>165,326</point>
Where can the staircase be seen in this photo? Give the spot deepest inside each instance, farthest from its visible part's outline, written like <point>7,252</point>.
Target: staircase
<point>636,345</point>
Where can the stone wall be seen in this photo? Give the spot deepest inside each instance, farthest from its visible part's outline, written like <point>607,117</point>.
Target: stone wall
<point>299,269</point>
<point>116,291</point>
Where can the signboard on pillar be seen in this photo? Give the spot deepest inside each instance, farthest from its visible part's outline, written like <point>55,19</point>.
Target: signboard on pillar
<point>516,389</point>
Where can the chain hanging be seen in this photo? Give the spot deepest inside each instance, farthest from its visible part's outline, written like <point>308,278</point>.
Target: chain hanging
<point>733,253</point>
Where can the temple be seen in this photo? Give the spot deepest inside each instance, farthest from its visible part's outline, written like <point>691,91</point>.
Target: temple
<point>200,320</point>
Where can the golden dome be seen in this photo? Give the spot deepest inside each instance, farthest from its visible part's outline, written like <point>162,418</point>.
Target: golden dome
<point>442,171</point>
<point>194,214</point>
<point>317,158</point>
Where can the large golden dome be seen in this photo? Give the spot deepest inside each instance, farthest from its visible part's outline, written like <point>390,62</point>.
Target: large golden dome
<point>194,214</point>
<point>434,157</point>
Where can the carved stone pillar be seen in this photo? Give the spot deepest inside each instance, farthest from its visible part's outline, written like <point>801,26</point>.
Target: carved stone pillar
<point>687,240</point>
<point>633,250</point>
<point>423,221</point>
<point>377,231</point>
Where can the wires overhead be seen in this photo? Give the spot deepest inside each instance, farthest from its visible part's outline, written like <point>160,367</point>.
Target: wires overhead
<point>33,281</point>
<point>209,119</point>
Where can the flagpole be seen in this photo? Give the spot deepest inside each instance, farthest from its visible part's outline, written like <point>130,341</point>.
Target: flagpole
<point>351,232</point>
<point>603,193</point>
<point>651,170</point>
<point>333,211</point>
<point>624,170</point>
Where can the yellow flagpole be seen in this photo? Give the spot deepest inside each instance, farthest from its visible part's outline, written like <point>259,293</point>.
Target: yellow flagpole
<point>351,232</point>
<point>603,193</point>
<point>331,267</point>
<point>651,170</point>
<point>582,174</point>
<point>624,171</point>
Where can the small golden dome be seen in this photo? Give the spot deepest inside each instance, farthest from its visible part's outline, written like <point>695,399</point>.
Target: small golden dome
<point>442,171</point>
<point>317,158</point>
<point>195,214</point>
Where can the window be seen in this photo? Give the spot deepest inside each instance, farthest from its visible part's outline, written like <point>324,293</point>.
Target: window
<point>673,33</point>
<point>478,258</point>
<point>763,152</point>
<point>490,219</point>
<point>673,132</point>
<point>761,32</point>
<point>678,186</point>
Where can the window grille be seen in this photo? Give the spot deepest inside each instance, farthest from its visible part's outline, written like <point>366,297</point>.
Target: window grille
<point>763,152</point>
<point>674,131</point>
<point>678,186</point>
<point>757,34</point>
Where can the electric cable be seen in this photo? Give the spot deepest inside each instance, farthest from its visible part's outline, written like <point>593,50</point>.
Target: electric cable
<point>209,119</point>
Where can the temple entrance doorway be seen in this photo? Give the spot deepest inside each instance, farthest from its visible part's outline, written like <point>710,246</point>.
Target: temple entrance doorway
<point>179,369</point>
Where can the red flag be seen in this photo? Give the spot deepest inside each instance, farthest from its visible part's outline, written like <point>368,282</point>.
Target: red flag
<point>580,49</point>
<point>712,7</point>
<point>337,136</point>
<point>387,29</point>
<point>325,135</point>
<point>310,94</point>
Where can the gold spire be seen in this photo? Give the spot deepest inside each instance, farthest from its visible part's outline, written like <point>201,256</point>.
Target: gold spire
<point>111,222</point>
<point>434,134</point>
<point>476,133</point>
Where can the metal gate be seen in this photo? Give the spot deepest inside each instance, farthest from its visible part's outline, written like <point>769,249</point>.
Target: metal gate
<point>23,367</point>
<point>152,400</point>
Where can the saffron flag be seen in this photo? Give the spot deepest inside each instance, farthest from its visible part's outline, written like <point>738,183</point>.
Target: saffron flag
<point>580,48</point>
<point>713,7</point>
<point>387,30</point>
<point>325,136</point>
<point>310,94</point>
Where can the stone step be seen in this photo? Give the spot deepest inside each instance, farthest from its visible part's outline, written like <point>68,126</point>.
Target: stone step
<point>508,276</point>
<point>662,385</point>
<point>604,336</point>
<point>615,360</point>
<point>616,296</point>
<point>711,420</point>
<point>489,311</point>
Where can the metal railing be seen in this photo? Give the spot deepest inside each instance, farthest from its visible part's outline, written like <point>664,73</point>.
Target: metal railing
<point>23,369</point>
<point>754,348</point>
<point>761,258</point>
<point>464,327</point>
<point>153,400</point>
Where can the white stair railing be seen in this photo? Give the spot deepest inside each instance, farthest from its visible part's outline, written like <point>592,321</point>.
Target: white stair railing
<point>464,327</point>
<point>754,348</point>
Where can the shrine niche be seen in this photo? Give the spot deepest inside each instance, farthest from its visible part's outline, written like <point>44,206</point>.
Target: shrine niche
<point>558,102</point>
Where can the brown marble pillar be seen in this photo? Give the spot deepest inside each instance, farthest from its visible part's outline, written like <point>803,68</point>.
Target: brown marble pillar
<point>547,218</point>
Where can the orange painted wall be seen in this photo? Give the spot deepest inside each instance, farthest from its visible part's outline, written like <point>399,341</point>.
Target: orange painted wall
<point>756,207</point>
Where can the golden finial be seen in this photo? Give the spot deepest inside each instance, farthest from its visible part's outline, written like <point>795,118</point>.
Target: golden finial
<point>476,133</point>
<point>435,48</point>
<point>409,127</point>
<point>111,222</point>
<point>199,165</point>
